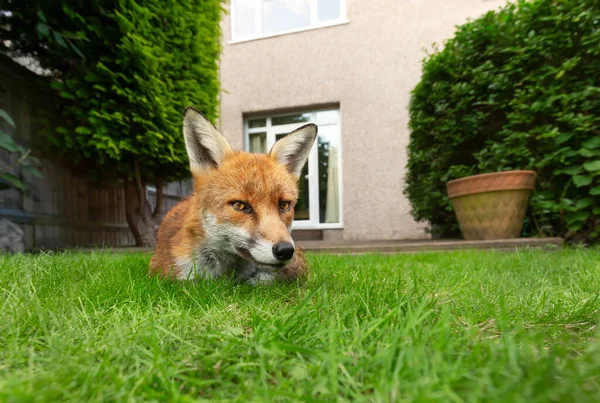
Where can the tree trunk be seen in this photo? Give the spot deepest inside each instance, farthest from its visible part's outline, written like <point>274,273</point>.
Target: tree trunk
<point>159,199</point>
<point>140,217</point>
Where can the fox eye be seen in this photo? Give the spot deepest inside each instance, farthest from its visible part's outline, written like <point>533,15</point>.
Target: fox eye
<point>241,206</point>
<point>284,206</point>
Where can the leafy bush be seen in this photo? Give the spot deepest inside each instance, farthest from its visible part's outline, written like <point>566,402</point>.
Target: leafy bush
<point>515,89</point>
<point>126,70</point>
<point>9,177</point>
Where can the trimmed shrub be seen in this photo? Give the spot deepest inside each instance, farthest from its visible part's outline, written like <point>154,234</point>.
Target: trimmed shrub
<point>515,89</point>
<point>126,69</point>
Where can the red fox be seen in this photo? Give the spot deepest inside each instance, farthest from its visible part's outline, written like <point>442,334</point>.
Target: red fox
<point>238,219</point>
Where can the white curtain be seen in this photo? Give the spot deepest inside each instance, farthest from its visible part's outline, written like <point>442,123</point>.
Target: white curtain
<point>332,212</point>
<point>258,143</point>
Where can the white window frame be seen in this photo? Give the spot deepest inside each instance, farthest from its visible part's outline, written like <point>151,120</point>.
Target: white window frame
<point>313,161</point>
<point>314,22</point>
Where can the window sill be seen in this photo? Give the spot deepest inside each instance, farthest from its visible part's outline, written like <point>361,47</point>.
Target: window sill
<point>292,31</point>
<point>301,226</point>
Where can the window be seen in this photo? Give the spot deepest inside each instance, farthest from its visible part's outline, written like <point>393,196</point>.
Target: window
<point>320,201</point>
<point>251,19</point>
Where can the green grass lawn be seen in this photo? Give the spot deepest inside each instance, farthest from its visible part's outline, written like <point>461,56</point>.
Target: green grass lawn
<point>461,326</point>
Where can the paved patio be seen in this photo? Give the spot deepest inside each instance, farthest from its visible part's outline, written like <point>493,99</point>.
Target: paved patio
<point>410,246</point>
<point>428,245</point>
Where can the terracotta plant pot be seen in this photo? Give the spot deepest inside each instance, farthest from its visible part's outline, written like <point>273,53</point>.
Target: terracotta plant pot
<point>491,206</point>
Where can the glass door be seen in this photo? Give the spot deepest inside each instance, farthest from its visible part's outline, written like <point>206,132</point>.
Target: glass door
<point>306,212</point>
<point>319,201</point>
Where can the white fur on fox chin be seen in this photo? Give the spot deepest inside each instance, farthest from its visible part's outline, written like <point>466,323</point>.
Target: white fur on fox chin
<point>261,278</point>
<point>188,270</point>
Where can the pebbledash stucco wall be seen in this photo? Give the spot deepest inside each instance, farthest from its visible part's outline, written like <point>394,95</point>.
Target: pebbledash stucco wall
<point>367,67</point>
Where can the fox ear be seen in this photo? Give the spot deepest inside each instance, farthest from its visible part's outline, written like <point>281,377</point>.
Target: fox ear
<point>206,147</point>
<point>292,150</point>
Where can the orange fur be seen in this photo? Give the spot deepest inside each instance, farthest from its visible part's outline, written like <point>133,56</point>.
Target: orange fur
<point>239,217</point>
<point>254,178</point>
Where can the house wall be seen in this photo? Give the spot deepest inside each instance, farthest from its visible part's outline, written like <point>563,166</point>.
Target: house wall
<point>367,66</point>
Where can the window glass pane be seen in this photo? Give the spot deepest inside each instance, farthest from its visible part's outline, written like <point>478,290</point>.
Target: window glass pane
<point>285,15</point>
<point>327,117</point>
<point>328,142</point>
<point>328,9</point>
<point>258,143</point>
<point>284,120</point>
<point>245,17</point>
<point>302,210</point>
<point>254,123</point>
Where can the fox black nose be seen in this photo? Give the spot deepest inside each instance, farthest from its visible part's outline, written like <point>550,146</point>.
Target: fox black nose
<point>283,250</point>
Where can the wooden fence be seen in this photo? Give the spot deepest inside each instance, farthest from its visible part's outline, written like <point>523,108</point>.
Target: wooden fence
<point>64,209</point>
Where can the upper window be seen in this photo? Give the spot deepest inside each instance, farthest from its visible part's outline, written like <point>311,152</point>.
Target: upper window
<point>251,19</point>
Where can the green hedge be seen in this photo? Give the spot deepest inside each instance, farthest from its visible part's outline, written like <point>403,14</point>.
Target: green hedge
<point>515,89</point>
<point>126,69</point>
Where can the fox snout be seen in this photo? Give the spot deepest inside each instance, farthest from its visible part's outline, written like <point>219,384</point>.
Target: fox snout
<point>283,251</point>
<point>267,255</point>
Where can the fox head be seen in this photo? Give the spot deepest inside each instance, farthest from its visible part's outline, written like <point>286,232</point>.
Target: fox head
<point>246,201</point>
